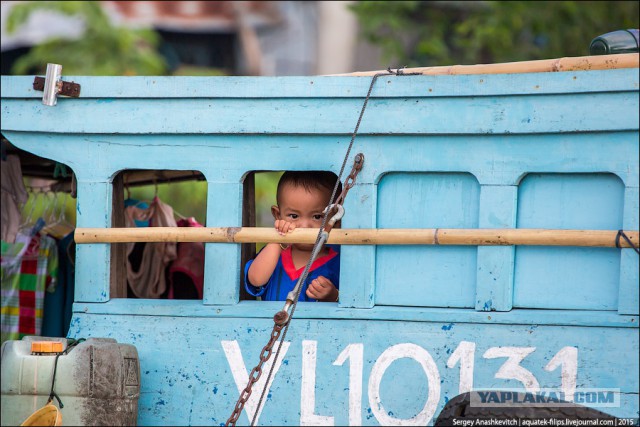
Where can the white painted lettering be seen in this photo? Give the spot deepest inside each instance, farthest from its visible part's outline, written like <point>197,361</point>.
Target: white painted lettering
<point>425,360</point>
<point>308,394</point>
<point>511,369</point>
<point>567,357</point>
<point>241,375</point>
<point>465,353</point>
<point>354,352</point>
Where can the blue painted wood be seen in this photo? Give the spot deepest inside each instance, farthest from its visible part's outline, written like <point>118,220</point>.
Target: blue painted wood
<point>484,115</point>
<point>191,383</point>
<point>108,88</point>
<point>221,261</point>
<point>554,150</point>
<point>628,297</point>
<point>265,309</point>
<point>430,276</point>
<point>357,263</point>
<point>494,289</point>
<point>568,277</point>
<point>93,261</point>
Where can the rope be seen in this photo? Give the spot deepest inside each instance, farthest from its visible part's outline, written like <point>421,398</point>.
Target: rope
<point>317,245</point>
<point>625,237</point>
<point>53,394</point>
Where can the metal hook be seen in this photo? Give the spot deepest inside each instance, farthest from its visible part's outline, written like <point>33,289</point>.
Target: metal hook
<point>337,216</point>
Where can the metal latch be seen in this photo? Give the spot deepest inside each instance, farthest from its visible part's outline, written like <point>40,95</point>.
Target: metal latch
<point>52,85</point>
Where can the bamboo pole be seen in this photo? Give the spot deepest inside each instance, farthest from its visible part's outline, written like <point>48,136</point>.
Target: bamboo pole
<point>578,63</point>
<point>375,236</point>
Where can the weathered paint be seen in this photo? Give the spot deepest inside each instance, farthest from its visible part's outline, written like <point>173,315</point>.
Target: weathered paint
<point>415,326</point>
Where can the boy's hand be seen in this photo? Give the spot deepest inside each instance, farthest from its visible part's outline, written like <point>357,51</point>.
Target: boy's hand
<point>283,227</point>
<point>322,289</point>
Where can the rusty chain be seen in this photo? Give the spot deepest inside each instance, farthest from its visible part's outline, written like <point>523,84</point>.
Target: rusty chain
<point>350,181</point>
<point>256,372</point>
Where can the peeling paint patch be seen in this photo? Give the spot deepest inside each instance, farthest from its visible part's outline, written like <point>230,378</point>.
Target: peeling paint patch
<point>447,327</point>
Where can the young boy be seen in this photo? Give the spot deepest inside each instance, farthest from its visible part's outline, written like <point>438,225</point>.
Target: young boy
<point>301,199</point>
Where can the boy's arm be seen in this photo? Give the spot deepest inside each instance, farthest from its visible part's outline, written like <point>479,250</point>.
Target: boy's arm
<point>264,264</point>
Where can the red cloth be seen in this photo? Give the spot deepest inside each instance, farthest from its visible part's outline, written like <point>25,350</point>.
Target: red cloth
<point>190,262</point>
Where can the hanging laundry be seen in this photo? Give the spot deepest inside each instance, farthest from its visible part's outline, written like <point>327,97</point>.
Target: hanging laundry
<point>29,267</point>
<point>140,204</point>
<point>186,273</point>
<point>149,280</point>
<point>13,197</point>
<point>58,302</point>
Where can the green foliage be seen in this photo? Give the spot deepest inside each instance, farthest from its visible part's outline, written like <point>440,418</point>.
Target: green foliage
<point>266,185</point>
<point>431,33</point>
<point>187,198</point>
<point>102,50</point>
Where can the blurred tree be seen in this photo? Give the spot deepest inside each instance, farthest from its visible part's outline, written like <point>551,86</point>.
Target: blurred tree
<point>431,33</point>
<point>102,50</point>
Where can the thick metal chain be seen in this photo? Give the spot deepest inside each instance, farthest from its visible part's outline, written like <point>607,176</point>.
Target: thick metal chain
<point>350,181</point>
<point>256,372</point>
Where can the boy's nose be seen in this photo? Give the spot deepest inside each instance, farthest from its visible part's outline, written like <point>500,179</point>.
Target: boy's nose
<point>306,223</point>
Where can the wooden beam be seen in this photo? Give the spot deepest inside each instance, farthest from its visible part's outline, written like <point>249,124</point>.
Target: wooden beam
<point>578,63</point>
<point>388,236</point>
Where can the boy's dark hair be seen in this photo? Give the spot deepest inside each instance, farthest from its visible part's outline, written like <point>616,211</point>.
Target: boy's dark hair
<point>309,180</point>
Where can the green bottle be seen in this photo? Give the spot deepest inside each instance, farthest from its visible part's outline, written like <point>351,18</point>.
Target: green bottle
<point>621,41</point>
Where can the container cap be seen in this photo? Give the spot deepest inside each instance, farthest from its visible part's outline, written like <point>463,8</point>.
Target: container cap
<point>46,347</point>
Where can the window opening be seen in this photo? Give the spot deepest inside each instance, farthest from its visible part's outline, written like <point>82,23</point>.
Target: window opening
<point>38,250</point>
<point>303,200</point>
<point>148,198</point>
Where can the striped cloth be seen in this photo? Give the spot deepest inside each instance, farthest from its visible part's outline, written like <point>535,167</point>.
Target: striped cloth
<point>29,267</point>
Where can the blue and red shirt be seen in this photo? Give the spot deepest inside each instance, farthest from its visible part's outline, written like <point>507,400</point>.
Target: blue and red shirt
<point>285,276</point>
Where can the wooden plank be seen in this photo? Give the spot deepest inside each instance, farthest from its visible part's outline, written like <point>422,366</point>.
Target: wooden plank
<point>413,114</point>
<point>348,85</point>
<point>495,266</point>
<point>266,309</point>
<point>387,236</point>
<point>580,63</point>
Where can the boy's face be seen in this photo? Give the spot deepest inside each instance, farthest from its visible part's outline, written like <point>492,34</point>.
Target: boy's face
<point>302,207</point>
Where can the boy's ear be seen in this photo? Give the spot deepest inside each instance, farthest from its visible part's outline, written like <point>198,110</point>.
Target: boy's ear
<point>275,211</point>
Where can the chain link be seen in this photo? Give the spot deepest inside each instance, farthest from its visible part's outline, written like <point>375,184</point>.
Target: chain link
<point>350,181</point>
<point>256,372</point>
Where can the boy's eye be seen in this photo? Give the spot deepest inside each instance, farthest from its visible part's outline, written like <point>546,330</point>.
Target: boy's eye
<point>293,216</point>
<point>317,217</point>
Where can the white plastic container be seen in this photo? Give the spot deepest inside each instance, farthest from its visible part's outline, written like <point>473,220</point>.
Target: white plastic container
<point>98,382</point>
